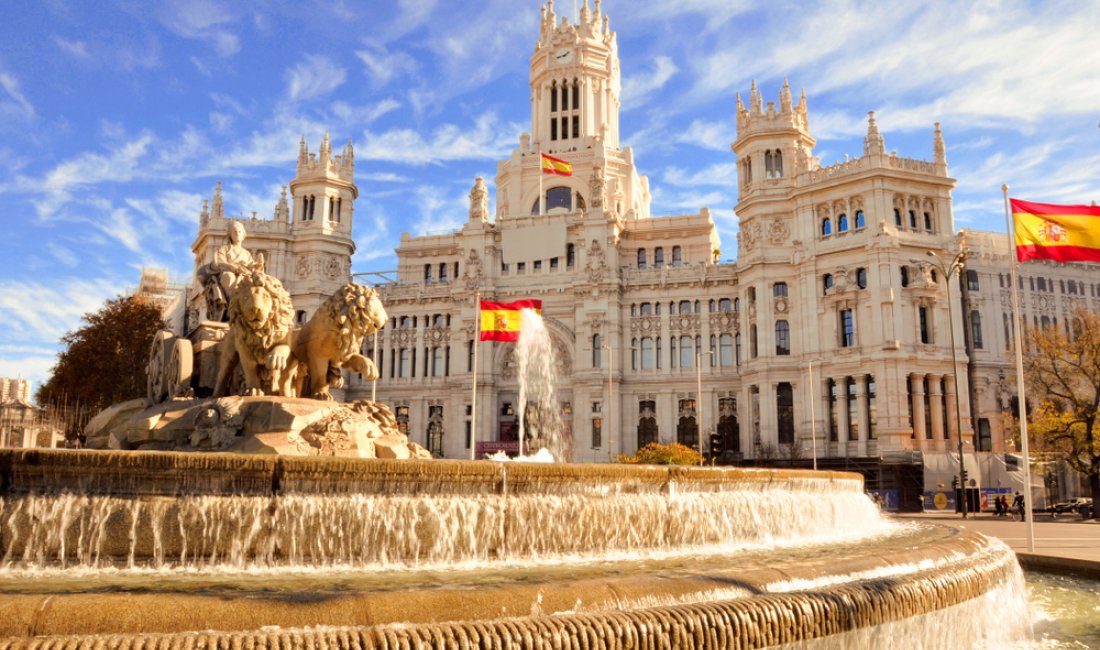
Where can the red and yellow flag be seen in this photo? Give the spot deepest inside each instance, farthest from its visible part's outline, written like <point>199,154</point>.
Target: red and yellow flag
<point>1062,233</point>
<point>500,321</point>
<point>552,165</point>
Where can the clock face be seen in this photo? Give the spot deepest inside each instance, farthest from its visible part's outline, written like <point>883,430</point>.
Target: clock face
<point>564,55</point>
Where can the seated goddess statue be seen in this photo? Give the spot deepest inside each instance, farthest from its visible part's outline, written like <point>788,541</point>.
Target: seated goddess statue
<point>221,276</point>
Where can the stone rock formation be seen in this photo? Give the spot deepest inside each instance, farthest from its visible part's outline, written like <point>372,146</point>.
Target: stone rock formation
<point>285,426</point>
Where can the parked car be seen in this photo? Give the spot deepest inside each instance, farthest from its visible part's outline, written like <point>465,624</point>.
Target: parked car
<point>1071,506</point>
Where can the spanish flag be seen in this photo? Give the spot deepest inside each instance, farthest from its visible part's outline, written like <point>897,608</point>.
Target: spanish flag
<point>552,165</point>
<point>500,320</point>
<point>1062,233</point>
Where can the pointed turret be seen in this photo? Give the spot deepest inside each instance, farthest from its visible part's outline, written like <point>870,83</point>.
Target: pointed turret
<point>939,149</point>
<point>873,143</point>
<point>204,216</point>
<point>585,14</point>
<point>785,102</point>
<point>282,210</point>
<point>217,207</point>
<point>325,154</point>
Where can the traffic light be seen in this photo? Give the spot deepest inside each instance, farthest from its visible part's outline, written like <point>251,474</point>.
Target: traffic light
<point>964,476</point>
<point>954,482</point>
<point>717,445</point>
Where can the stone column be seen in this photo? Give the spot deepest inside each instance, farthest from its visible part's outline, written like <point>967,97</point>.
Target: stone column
<point>952,423</point>
<point>861,417</point>
<point>935,404</point>
<point>917,383</point>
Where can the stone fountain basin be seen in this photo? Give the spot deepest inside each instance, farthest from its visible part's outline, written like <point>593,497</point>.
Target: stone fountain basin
<point>748,598</point>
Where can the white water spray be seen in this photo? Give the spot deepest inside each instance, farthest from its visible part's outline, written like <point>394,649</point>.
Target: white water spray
<point>538,396</point>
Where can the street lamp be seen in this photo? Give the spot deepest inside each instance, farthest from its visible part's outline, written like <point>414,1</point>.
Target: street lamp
<point>610,401</point>
<point>699,391</point>
<point>949,269</point>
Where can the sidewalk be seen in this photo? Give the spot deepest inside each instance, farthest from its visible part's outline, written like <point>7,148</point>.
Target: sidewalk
<point>1064,545</point>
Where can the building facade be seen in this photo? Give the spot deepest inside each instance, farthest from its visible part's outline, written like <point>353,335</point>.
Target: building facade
<point>22,424</point>
<point>831,335</point>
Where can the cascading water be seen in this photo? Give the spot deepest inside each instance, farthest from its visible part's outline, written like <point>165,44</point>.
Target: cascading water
<point>343,553</point>
<point>539,412</point>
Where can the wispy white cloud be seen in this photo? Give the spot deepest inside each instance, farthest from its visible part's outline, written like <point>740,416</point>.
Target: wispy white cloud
<point>440,212</point>
<point>381,65</point>
<point>43,312</point>
<point>313,78</point>
<point>75,49</point>
<point>637,87</point>
<point>62,254</point>
<point>488,138</point>
<point>722,174</point>
<point>13,104</point>
<point>205,20</point>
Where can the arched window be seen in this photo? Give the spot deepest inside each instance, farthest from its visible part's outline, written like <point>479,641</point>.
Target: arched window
<point>779,290</point>
<point>827,283</point>
<point>553,100</point>
<point>658,257</point>
<point>443,272</point>
<point>913,219</point>
<point>685,307</point>
<point>647,309</point>
<point>634,354</point>
<point>724,304</point>
<point>427,274</point>
<point>736,305</point>
<point>860,220</point>
<point>826,227</point>
<point>641,258</point>
<point>928,221</point>
<point>778,161</point>
<point>972,280</point>
<point>570,256</point>
<point>698,307</point>
<point>712,306</point>
<point>597,350</point>
<point>784,413</point>
<point>782,338</point>
<point>861,278</point>
<point>905,276</point>
<point>676,261</point>
<point>842,223</point>
<point>897,217</point>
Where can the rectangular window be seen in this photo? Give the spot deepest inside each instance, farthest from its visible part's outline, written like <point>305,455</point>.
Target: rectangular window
<point>521,266</point>
<point>847,329</point>
<point>468,436</point>
<point>985,435</point>
<point>833,435</point>
<point>647,353</point>
<point>538,265</point>
<point>438,362</point>
<point>925,325</point>
<point>553,263</point>
<point>576,124</point>
<point>553,129</point>
<point>565,128</point>
<point>597,433</point>
<point>597,350</point>
<point>853,411</point>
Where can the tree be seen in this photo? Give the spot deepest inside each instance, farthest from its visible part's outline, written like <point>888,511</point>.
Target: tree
<point>658,454</point>
<point>1062,373</point>
<point>103,362</point>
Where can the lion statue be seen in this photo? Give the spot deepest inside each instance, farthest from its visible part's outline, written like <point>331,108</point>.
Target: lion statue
<point>260,319</point>
<point>332,338</point>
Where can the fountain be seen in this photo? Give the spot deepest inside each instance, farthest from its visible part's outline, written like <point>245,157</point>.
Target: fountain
<point>537,375</point>
<point>110,549</point>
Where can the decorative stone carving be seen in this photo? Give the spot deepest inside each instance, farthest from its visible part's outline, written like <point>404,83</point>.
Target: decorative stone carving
<point>472,273</point>
<point>332,267</point>
<point>750,236</point>
<point>479,201</point>
<point>302,266</point>
<point>778,232</point>
<point>597,186</point>
<point>596,265</point>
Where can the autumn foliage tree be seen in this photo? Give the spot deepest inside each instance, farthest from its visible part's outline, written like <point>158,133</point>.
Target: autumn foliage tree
<point>658,454</point>
<point>104,361</point>
<point>1063,382</point>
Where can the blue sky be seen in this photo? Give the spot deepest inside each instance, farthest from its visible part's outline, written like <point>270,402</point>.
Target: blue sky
<point>117,117</point>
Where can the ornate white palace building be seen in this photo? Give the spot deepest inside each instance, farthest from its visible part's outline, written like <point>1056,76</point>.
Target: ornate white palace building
<point>831,331</point>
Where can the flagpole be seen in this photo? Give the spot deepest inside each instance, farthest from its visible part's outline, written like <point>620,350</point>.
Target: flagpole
<point>473,396</point>
<point>813,417</point>
<point>542,204</point>
<point>1028,514</point>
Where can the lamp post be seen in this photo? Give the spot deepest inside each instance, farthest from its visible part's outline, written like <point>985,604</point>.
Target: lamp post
<point>699,392</point>
<point>610,402</point>
<point>948,270</point>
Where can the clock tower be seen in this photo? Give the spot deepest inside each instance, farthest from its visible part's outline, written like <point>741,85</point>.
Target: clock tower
<point>575,86</point>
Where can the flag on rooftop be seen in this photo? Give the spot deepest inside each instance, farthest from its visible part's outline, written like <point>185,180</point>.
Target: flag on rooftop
<point>552,165</point>
<point>1061,233</point>
<point>500,321</point>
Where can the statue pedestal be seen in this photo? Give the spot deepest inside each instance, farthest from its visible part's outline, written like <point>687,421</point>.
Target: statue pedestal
<point>204,341</point>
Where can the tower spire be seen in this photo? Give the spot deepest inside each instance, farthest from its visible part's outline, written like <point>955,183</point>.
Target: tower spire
<point>217,208</point>
<point>785,102</point>
<point>939,150</point>
<point>873,143</point>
